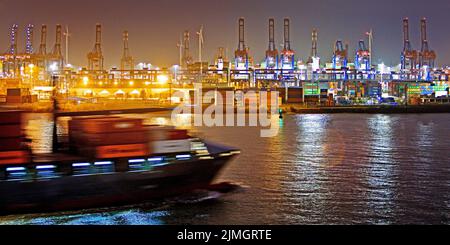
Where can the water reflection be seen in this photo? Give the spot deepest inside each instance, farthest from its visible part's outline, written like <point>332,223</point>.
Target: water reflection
<point>381,167</point>
<point>128,217</point>
<point>320,169</point>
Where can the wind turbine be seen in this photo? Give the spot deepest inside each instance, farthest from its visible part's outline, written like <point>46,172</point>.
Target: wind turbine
<point>200,47</point>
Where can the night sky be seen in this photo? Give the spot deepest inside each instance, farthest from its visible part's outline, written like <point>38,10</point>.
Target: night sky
<point>155,25</point>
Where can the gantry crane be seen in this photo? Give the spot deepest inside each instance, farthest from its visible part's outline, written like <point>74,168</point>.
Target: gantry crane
<point>221,59</point>
<point>40,57</point>
<point>340,56</point>
<point>409,56</point>
<point>95,58</point>
<point>272,52</point>
<point>13,40</point>
<point>29,39</point>
<point>241,56</point>
<point>186,57</point>
<point>56,58</point>
<point>314,60</point>
<point>287,55</point>
<point>362,58</point>
<point>9,58</point>
<point>427,56</point>
<point>127,61</point>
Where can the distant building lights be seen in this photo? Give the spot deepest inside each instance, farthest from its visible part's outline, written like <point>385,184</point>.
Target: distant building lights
<point>85,81</point>
<point>162,79</point>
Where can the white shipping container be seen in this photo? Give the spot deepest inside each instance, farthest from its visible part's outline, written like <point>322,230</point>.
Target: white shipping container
<point>170,146</point>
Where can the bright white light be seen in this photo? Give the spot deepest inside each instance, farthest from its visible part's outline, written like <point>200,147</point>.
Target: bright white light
<point>183,156</point>
<point>45,167</point>
<point>15,169</point>
<point>85,80</point>
<point>53,67</point>
<point>162,78</point>
<point>102,163</point>
<point>137,161</point>
<point>156,159</point>
<point>76,165</point>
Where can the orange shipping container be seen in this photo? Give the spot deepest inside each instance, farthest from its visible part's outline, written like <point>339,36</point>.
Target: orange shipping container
<point>119,151</point>
<point>13,99</point>
<point>111,125</point>
<point>14,157</point>
<point>178,134</point>
<point>138,137</point>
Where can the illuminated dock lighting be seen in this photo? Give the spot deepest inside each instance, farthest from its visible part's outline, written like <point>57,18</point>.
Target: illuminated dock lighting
<point>85,81</point>
<point>206,158</point>
<point>78,165</point>
<point>15,169</point>
<point>162,79</point>
<point>155,159</point>
<point>44,167</point>
<point>136,161</point>
<point>183,156</point>
<point>102,163</point>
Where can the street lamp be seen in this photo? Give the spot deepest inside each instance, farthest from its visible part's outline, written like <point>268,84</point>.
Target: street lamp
<point>164,79</point>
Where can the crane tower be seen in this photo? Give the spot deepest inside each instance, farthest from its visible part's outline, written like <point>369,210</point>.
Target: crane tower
<point>362,59</point>
<point>409,56</point>
<point>29,39</point>
<point>340,57</point>
<point>186,57</point>
<point>427,56</point>
<point>287,55</point>
<point>272,52</point>
<point>13,40</point>
<point>56,58</point>
<point>127,61</point>
<point>41,54</point>
<point>314,60</point>
<point>43,44</point>
<point>95,58</point>
<point>241,54</point>
<point>221,59</point>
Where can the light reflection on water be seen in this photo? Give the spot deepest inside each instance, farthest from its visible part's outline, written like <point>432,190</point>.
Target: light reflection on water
<point>320,169</point>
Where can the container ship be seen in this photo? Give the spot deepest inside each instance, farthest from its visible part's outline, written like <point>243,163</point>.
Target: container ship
<point>107,161</point>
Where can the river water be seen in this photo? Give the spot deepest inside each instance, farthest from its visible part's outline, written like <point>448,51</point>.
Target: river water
<point>320,169</point>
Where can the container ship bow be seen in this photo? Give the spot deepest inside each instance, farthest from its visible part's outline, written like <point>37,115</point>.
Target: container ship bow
<point>108,161</point>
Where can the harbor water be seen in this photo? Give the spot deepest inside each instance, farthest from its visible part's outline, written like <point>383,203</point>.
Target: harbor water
<point>320,169</point>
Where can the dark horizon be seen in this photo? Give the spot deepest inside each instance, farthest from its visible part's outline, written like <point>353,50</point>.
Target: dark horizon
<point>155,26</point>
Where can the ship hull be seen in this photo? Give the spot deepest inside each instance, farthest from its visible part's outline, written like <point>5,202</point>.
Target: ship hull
<point>115,189</point>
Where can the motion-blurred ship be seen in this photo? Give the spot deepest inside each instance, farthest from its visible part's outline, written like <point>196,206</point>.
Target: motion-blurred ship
<point>108,161</point>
